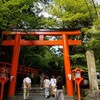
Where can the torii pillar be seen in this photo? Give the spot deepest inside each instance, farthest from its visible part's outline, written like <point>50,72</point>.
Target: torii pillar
<point>67,66</point>
<point>14,65</point>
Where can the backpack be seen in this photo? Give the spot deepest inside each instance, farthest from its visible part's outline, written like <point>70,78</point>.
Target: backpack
<point>26,84</point>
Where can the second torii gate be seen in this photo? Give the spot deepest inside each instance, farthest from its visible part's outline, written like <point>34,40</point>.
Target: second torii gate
<point>41,33</point>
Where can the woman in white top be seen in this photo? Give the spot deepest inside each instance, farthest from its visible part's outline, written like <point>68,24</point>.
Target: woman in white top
<point>46,83</point>
<point>53,82</point>
<point>26,87</point>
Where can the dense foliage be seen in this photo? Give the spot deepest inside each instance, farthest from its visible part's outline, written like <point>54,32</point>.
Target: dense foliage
<point>72,14</point>
<point>69,14</point>
<point>94,43</point>
<point>18,14</point>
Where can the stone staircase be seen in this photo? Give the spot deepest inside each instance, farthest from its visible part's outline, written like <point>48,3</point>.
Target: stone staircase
<point>35,90</point>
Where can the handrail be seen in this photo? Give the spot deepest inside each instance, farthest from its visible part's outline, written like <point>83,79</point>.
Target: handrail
<point>21,69</point>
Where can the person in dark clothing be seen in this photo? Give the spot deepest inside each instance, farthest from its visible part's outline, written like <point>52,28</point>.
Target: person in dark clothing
<point>60,87</point>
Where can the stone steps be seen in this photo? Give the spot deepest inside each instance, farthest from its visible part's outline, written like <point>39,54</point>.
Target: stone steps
<point>36,90</point>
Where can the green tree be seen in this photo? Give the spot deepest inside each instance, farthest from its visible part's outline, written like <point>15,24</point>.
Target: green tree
<point>71,13</point>
<point>94,43</point>
<point>18,14</point>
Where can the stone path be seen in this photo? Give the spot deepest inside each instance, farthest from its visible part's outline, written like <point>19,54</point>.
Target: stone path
<point>32,97</point>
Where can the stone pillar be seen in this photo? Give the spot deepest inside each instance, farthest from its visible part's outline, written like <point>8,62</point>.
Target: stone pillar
<point>91,70</point>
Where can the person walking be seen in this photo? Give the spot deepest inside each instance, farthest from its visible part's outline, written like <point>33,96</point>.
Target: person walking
<point>60,88</point>
<point>26,87</point>
<point>46,83</point>
<point>42,76</point>
<point>53,86</point>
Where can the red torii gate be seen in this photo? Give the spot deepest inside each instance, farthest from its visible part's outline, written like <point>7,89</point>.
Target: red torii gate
<point>41,33</point>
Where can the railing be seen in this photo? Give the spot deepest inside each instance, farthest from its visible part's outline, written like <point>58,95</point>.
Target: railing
<point>21,69</point>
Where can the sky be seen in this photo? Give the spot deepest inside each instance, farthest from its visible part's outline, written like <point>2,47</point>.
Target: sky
<point>98,1</point>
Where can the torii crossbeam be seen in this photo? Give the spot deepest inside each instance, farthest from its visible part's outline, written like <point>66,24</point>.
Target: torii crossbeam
<point>41,33</point>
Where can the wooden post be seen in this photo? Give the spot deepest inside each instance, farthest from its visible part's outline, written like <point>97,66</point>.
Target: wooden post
<point>91,69</point>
